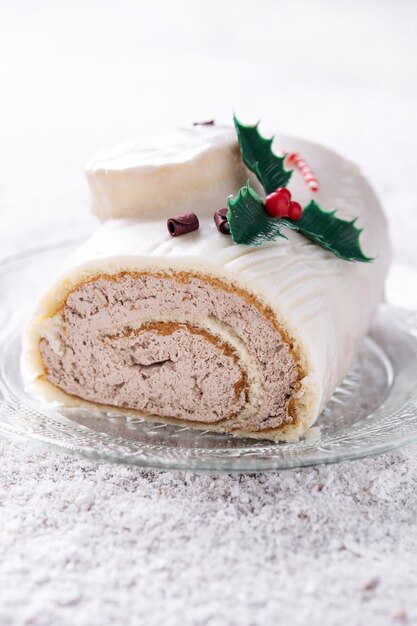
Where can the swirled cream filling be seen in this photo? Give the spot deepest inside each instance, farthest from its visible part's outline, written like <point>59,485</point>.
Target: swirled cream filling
<point>177,347</point>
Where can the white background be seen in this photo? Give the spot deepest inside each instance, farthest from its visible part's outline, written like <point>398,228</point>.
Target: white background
<point>89,544</point>
<point>77,76</point>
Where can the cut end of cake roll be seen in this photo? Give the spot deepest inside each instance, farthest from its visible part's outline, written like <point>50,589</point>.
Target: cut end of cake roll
<point>180,347</point>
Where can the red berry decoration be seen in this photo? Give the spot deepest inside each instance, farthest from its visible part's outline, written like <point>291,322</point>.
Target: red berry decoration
<point>278,202</point>
<point>295,211</point>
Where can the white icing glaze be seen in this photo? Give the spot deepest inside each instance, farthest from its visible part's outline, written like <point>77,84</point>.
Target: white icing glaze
<point>164,148</point>
<point>189,169</point>
<point>325,303</point>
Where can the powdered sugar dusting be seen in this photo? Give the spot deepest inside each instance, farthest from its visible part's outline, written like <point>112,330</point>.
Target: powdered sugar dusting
<point>86,543</point>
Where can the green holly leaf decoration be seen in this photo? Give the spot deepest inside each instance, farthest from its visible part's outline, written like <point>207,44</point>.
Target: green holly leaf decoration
<point>258,157</point>
<point>339,236</point>
<point>249,222</point>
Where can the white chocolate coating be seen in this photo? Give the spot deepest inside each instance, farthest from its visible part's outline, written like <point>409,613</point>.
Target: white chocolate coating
<point>189,169</point>
<point>325,304</point>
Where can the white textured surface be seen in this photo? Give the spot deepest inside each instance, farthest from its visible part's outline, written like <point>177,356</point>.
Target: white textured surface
<point>84,543</point>
<point>89,544</point>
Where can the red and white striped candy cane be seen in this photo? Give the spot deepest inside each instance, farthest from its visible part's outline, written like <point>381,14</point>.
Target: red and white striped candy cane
<point>309,176</point>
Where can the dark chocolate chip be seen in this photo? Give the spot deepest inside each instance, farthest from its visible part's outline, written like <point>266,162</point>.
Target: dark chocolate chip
<point>182,224</point>
<point>220,219</point>
<point>207,123</point>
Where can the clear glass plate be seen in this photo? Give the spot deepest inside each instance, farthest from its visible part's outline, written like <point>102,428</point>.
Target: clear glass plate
<point>373,411</point>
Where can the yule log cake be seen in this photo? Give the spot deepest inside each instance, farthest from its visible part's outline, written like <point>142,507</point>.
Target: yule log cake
<point>229,289</point>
